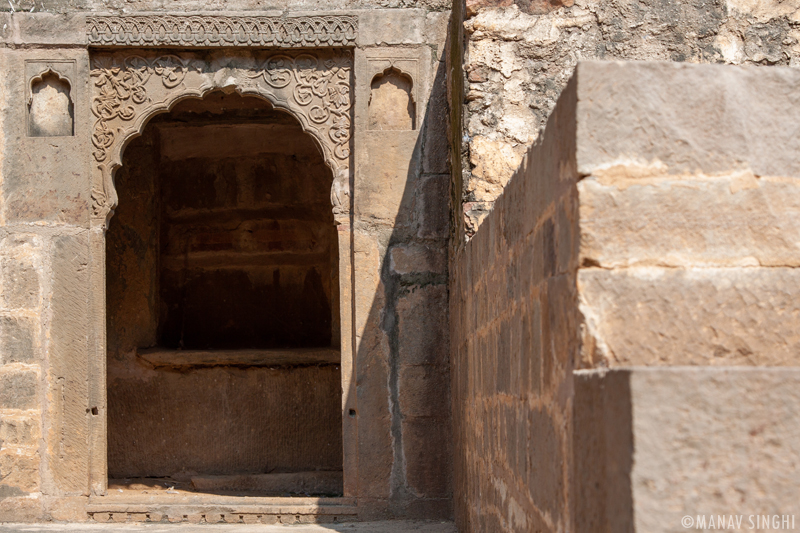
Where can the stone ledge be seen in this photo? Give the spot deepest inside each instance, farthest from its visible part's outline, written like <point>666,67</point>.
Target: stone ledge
<point>163,358</point>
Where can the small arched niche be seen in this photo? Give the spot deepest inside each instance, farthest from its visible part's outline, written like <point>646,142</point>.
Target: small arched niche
<point>50,110</point>
<point>391,103</point>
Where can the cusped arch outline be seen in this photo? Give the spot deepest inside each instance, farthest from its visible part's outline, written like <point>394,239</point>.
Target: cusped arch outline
<point>315,89</point>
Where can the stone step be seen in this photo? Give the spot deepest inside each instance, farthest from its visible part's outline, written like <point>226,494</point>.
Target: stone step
<point>213,509</point>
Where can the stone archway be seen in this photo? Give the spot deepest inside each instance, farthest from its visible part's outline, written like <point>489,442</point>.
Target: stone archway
<point>129,88</point>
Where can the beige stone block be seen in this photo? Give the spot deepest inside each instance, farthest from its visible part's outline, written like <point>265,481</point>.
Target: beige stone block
<point>665,443</point>
<point>391,26</point>
<point>20,430</point>
<point>426,447</point>
<point>20,470</point>
<point>47,178</point>
<point>422,324</point>
<point>70,509</point>
<point>21,508</point>
<point>269,519</point>
<point>729,220</point>
<point>18,388</point>
<point>690,118</point>
<point>384,183</point>
<point>68,373</point>
<point>21,273</point>
<point>424,391</point>
<point>18,340</point>
<point>418,258</point>
<point>705,316</point>
<point>288,519</point>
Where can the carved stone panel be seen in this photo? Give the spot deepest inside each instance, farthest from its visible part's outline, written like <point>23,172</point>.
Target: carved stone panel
<point>129,88</point>
<point>213,31</point>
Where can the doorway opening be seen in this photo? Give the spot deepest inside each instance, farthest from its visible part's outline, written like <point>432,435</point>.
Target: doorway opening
<point>223,334</point>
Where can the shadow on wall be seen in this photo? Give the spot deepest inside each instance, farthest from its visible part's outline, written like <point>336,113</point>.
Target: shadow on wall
<point>402,352</point>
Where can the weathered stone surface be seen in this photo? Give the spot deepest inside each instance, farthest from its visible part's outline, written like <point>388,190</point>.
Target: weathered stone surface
<point>68,509</point>
<point>424,391</point>
<point>20,430</point>
<point>372,373</point>
<point>405,26</point>
<point>716,115</point>
<point>436,150</point>
<point>17,340</point>
<point>431,213</point>
<point>20,468</point>
<point>18,388</point>
<point>407,259</point>
<point>520,54</point>
<point>422,317</point>
<point>701,452</point>
<point>21,271</point>
<point>21,508</point>
<point>426,448</point>
<point>386,190</point>
<point>705,316</point>
<point>630,219</point>
<point>45,177</point>
<point>67,434</point>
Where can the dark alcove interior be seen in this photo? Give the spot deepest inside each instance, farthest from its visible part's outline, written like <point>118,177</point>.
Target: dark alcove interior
<point>222,301</point>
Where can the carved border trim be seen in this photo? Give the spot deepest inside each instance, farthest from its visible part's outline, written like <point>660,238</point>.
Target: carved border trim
<point>218,31</point>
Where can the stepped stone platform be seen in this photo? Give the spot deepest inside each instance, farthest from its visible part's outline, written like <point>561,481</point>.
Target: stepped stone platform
<point>388,526</point>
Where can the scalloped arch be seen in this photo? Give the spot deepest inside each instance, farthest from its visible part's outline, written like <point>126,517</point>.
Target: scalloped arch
<point>314,90</point>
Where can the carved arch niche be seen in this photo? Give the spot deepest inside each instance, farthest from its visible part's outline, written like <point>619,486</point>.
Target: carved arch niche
<point>50,111</point>
<point>391,104</point>
<point>393,101</point>
<point>129,88</point>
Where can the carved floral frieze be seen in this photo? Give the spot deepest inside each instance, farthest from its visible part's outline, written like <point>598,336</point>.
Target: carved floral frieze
<point>129,88</point>
<point>212,31</point>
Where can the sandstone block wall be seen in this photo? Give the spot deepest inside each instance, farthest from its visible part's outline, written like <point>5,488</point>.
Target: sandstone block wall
<point>514,333</point>
<point>688,207</point>
<point>651,225</point>
<point>519,55</point>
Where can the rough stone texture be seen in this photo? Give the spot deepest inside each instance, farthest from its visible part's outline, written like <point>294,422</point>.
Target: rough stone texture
<point>514,330</point>
<point>520,54</point>
<point>687,210</point>
<point>704,316</point>
<point>646,456</point>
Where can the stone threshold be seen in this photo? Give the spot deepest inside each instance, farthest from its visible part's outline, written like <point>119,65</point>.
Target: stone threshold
<point>214,509</point>
<point>164,358</point>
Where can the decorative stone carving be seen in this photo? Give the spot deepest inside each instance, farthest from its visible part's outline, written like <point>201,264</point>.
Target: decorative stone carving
<point>128,89</point>
<point>200,30</point>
